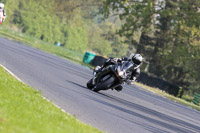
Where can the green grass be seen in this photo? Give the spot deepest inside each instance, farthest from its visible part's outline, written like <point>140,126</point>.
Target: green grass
<point>187,102</point>
<point>77,57</point>
<point>45,46</point>
<point>24,110</point>
<point>187,98</point>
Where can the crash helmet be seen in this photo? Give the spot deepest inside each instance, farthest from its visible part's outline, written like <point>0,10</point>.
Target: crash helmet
<point>1,5</point>
<point>137,59</point>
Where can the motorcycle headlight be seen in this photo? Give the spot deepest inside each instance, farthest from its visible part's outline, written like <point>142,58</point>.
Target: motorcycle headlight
<point>121,73</point>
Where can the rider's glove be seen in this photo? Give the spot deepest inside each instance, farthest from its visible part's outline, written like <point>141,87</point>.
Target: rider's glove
<point>115,59</point>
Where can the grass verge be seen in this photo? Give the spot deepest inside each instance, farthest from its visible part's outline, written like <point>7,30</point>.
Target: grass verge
<point>45,46</point>
<point>24,110</point>
<point>173,98</point>
<point>77,57</point>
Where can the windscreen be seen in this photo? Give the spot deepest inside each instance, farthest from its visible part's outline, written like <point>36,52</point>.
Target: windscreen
<point>127,65</point>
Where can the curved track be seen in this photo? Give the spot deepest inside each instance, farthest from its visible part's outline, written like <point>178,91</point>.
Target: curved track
<point>133,110</point>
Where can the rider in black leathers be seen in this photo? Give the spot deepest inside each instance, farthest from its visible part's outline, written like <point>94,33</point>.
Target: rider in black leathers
<point>136,59</point>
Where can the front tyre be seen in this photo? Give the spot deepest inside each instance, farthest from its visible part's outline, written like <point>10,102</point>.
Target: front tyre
<point>89,84</point>
<point>104,85</point>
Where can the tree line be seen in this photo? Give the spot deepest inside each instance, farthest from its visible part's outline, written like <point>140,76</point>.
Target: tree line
<point>165,32</point>
<point>169,33</point>
<point>77,25</point>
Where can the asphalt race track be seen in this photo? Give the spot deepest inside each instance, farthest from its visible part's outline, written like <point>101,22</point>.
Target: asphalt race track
<point>134,110</point>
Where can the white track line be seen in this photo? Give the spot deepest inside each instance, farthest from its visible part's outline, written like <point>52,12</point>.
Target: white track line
<point>24,83</point>
<point>11,73</point>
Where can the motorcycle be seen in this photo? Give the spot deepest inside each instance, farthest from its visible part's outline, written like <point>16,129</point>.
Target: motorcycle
<point>111,76</point>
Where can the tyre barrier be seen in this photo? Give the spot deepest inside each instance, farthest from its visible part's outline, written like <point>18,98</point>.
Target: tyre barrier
<point>93,59</point>
<point>98,61</point>
<point>196,99</point>
<point>88,57</point>
<point>163,85</point>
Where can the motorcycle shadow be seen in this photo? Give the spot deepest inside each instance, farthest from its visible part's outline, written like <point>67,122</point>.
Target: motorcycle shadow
<point>136,110</point>
<point>79,85</point>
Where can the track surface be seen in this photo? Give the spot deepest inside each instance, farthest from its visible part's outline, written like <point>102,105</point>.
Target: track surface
<point>133,110</point>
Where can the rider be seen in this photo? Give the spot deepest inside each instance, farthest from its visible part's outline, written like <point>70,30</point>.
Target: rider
<point>136,59</point>
<point>2,10</point>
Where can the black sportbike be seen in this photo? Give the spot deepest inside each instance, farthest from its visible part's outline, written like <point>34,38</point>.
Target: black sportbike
<point>111,76</point>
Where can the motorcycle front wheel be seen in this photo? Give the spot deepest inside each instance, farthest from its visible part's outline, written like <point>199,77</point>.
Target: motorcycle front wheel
<point>104,85</point>
<point>89,84</point>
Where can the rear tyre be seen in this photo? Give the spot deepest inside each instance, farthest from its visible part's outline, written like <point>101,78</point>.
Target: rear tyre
<point>89,84</point>
<point>104,85</point>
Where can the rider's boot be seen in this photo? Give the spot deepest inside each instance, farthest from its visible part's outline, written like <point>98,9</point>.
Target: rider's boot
<point>119,88</point>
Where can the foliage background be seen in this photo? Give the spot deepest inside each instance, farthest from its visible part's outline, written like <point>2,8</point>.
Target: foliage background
<point>76,24</point>
<point>165,32</point>
<point>169,37</point>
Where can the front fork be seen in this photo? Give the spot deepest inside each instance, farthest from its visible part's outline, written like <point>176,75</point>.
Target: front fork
<point>96,69</point>
<point>94,77</point>
<point>98,76</point>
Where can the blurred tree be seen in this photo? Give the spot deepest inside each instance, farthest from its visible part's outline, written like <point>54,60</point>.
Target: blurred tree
<point>169,35</point>
<point>96,42</point>
<point>119,48</point>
